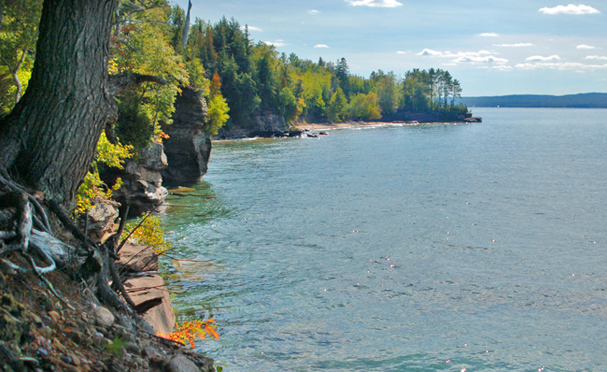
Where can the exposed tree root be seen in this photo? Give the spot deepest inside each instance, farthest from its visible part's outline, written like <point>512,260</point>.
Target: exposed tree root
<point>98,267</point>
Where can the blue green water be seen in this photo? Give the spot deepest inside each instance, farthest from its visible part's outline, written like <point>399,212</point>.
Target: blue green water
<point>404,248</point>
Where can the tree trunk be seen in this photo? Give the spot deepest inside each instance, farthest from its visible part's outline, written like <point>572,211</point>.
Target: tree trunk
<point>49,139</point>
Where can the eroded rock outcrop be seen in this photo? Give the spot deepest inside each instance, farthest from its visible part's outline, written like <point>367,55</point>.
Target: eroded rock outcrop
<point>103,219</point>
<point>142,189</point>
<point>188,147</point>
<point>264,124</point>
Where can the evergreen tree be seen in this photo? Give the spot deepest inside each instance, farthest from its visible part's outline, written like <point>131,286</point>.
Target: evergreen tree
<point>337,106</point>
<point>342,74</point>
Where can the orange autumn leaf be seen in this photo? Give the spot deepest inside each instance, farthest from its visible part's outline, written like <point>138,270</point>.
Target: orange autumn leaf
<point>187,332</point>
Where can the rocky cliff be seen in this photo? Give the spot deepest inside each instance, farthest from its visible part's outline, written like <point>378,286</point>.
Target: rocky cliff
<point>188,147</point>
<point>263,124</point>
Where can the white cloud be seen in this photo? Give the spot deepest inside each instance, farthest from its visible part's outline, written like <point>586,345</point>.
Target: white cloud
<point>401,52</point>
<point>278,43</point>
<point>251,28</point>
<point>597,57</point>
<point>583,46</point>
<point>570,9</point>
<point>503,68</point>
<point>313,11</point>
<point>474,58</point>
<point>559,66</point>
<point>430,52</point>
<point>321,46</point>
<point>465,57</point>
<point>375,3</point>
<point>489,34</point>
<point>517,45</point>
<point>543,59</point>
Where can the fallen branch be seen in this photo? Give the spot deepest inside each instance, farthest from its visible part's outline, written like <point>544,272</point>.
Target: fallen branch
<point>117,282</point>
<point>135,229</point>
<point>124,81</point>
<point>123,216</point>
<point>67,222</point>
<point>135,256</point>
<point>142,289</point>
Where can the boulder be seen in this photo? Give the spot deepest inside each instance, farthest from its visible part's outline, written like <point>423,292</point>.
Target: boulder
<point>137,258</point>
<point>152,301</point>
<point>188,147</point>
<point>180,363</point>
<point>103,317</point>
<point>204,364</point>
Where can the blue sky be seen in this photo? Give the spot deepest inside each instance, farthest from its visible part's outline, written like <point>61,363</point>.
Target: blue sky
<point>493,47</point>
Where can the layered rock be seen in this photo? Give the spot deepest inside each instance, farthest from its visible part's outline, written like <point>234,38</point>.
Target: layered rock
<point>145,287</point>
<point>136,258</point>
<point>152,301</point>
<point>188,147</point>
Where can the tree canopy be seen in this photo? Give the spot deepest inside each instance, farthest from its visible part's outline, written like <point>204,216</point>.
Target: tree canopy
<point>255,77</point>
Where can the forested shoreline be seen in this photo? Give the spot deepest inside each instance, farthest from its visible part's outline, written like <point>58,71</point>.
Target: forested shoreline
<point>240,78</point>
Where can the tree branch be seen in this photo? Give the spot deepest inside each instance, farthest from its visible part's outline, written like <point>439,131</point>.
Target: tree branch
<point>124,81</point>
<point>110,135</point>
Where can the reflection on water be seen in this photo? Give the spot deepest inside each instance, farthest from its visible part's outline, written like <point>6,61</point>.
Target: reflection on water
<point>434,247</point>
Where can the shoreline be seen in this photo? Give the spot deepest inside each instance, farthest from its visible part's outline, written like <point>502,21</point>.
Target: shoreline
<point>315,129</point>
<point>364,124</point>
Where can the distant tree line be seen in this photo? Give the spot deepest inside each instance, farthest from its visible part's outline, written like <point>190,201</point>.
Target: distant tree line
<point>584,100</point>
<point>256,77</point>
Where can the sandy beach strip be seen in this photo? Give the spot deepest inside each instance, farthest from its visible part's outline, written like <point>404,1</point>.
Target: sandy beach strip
<point>351,124</point>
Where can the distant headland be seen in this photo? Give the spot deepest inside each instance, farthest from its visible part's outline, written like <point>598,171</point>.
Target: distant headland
<point>584,100</point>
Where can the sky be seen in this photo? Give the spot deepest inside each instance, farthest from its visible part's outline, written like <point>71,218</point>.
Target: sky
<point>493,47</point>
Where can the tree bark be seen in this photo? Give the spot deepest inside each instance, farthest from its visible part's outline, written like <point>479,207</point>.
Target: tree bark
<point>49,139</point>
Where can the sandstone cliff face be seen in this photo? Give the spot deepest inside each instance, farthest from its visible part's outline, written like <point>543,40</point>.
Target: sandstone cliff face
<point>264,124</point>
<point>188,147</point>
<point>269,121</point>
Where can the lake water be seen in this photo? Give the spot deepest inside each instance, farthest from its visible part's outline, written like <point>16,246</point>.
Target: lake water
<point>404,248</point>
